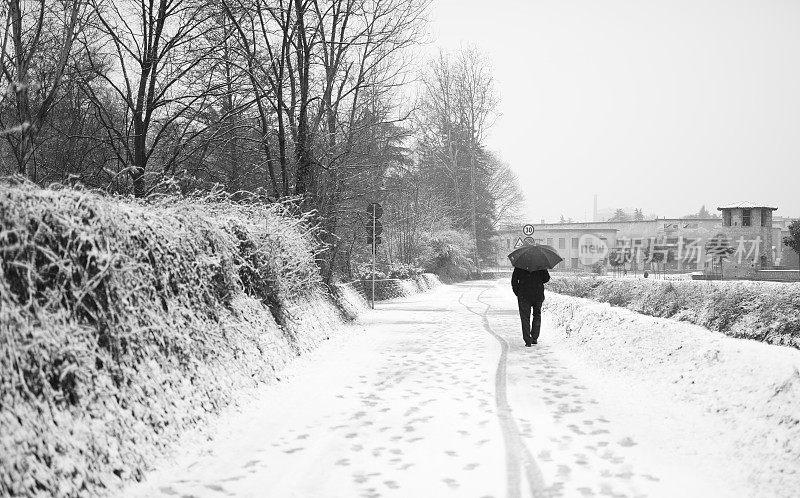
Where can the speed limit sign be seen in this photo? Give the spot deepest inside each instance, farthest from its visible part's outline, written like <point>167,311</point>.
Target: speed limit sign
<point>528,229</point>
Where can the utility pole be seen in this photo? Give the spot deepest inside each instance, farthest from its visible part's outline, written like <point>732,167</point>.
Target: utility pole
<point>474,217</point>
<point>374,229</point>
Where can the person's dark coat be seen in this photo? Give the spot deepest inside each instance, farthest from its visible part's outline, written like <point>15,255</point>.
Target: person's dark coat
<point>529,285</point>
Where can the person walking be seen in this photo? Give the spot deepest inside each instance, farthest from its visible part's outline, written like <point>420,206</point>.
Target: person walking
<point>528,286</point>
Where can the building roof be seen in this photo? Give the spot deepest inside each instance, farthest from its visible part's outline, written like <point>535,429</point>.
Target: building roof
<point>746,205</point>
<point>556,228</point>
<point>576,229</point>
<point>593,225</point>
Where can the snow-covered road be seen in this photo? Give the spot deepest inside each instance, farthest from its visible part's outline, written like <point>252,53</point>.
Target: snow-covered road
<point>436,395</point>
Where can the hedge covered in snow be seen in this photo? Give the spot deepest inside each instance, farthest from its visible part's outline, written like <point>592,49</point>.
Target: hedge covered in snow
<point>763,311</point>
<point>122,323</point>
<point>395,287</point>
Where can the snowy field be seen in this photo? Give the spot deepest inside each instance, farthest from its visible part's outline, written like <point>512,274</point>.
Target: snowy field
<point>435,395</point>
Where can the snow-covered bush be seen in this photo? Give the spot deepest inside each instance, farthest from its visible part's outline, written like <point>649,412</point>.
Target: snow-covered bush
<point>764,311</point>
<point>571,286</point>
<point>124,322</point>
<point>394,287</point>
<point>364,272</point>
<point>394,270</point>
<point>447,254</point>
<point>403,271</point>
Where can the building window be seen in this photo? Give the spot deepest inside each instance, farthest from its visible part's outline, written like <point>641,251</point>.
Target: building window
<point>549,241</point>
<point>574,243</point>
<point>574,262</point>
<point>745,217</point>
<point>764,214</point>
<point>508,243</point>
<point>562,243</point>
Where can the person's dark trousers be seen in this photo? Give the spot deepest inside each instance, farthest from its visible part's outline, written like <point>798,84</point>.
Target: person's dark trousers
<point>530,330</point>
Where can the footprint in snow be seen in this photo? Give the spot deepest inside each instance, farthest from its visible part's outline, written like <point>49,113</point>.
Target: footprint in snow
<point>451,482</point>
<point>626,475</point>
<point>232,478</point>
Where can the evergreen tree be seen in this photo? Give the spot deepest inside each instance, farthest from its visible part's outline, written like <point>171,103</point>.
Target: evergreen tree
<point>793,239</point>
<point>620,215</point>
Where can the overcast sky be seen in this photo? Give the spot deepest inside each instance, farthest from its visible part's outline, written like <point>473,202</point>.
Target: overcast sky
<point>663,105</point>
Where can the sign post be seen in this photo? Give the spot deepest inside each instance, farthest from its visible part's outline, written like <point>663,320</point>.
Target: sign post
<point>374,229</point>
<point>527,231</point>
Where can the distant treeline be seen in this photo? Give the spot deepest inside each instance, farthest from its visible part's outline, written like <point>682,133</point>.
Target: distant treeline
<point>308,99</point>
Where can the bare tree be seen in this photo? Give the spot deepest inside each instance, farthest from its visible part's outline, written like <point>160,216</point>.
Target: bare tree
<point>37,43</point>
<point>477,98</point>
<point>459,106</point>
<point>505,189</point>
<point>324,76</point>
<point>365,59</point>
<point>153,49</point>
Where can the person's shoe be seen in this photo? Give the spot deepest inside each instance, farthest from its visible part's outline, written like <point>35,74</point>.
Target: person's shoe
<point>535,342</point>
<point>527,344</point>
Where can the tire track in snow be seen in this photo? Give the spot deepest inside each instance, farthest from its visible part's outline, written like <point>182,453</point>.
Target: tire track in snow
<point>518,456</point>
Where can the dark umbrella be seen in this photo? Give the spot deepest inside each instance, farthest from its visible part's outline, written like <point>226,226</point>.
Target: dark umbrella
<point>532,258</point>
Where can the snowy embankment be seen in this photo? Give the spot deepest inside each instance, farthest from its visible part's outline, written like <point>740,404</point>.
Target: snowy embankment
<point>762,311</point>
<point>393,288</point>
<point>124,323</point>
<point>752,390</point>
